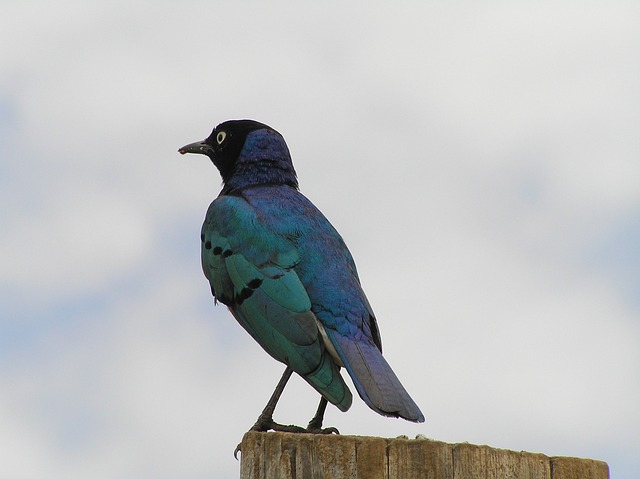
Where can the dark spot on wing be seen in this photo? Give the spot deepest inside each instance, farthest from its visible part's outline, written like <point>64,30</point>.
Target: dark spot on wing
<point>226,253</point>
<point>207,245</point>
<point>217,250</point>
<point>244,294</point>
<point>247,291</point>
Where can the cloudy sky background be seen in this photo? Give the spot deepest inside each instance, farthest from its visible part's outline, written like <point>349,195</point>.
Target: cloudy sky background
<point>482,161</point>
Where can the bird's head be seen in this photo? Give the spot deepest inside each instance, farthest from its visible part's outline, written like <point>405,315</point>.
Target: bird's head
<point>247,153</point>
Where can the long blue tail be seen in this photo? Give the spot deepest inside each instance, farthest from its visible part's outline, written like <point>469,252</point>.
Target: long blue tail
<point>375,381</point>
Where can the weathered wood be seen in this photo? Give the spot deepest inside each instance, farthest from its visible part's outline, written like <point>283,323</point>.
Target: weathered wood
<point>287,456</point>
<point>419,458</point>
<point>573,468</point>
<point>472,461</point>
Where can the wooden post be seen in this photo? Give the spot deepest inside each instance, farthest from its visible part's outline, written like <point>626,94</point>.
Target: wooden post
<point>275,455</point>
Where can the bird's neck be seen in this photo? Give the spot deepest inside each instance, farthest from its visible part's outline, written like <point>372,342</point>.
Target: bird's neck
<point>264,160</point>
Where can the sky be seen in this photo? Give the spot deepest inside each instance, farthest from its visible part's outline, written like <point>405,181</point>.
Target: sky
<point>480,159</point>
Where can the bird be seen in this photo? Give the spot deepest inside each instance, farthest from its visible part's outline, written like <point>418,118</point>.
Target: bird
<point>288,278</point>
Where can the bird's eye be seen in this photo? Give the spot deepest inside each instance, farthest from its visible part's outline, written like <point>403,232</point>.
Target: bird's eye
<point>220,137</point>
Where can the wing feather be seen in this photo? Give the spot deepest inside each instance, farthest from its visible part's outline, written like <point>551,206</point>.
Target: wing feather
<point>252,270</point>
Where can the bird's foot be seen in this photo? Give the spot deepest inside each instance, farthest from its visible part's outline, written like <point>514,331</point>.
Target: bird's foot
<point>264,424</point>
<point>315,427</point>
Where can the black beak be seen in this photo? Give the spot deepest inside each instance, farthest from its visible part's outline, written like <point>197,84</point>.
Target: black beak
<point>199,147</point>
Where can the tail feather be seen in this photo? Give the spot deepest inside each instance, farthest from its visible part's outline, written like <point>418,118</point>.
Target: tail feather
<point>375,381</point>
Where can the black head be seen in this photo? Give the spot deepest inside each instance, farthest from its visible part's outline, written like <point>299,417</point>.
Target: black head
<point>246,153</point>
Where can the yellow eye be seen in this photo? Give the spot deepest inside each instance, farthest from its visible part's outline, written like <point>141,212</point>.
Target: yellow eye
<point>221,136</point>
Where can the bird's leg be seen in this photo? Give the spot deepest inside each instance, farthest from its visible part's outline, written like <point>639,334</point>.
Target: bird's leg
<point>315,425</point>
<point>265,420</point>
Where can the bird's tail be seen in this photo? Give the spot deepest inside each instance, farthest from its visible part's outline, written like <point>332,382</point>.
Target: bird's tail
<point>377,384</point>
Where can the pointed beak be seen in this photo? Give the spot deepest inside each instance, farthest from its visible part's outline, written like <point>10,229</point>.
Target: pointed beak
<point>199,147</point>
